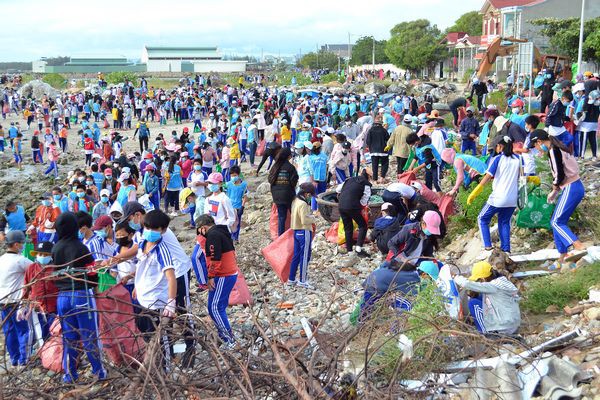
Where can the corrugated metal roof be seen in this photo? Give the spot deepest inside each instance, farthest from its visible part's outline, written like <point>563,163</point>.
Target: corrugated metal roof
<point>182,52</point>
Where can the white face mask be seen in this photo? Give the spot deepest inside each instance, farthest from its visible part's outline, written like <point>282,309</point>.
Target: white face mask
<point>515,110</point>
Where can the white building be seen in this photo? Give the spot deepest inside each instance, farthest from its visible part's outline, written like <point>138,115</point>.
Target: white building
<point>188,59</point>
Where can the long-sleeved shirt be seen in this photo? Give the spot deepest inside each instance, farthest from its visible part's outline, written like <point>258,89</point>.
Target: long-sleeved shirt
<point>469,126</point>
<point>565,169</point>
<point>301,215</point>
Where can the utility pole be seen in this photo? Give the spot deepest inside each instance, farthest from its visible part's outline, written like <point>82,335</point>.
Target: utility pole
<point>373,59</point>
<point>580,51</point>
<point>349,53</point>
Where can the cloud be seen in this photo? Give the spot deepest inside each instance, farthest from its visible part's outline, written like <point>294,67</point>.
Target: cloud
<point>67,27</point>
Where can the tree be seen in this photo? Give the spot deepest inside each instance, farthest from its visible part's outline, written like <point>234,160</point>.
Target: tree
<point>323,59</point>
<point>470,22</point>
<point>564,36</point>
<point>362,51</point>
<point>415,45</point>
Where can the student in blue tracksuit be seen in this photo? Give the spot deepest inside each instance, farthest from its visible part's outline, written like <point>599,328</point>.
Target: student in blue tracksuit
<point>301,222</point>
<point>469,132</point>
<point>199,264</point>
<point>318,166</point>
<point>75,303</point>
<point>236,190</point>
<point>59,199</point>
<point>12,276</point>
<point>14,218</point>
<point>566,182</point>
<point>152,185</point>
<point>504,169</point>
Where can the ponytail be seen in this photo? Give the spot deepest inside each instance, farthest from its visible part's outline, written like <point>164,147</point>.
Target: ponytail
<point>507,146</point>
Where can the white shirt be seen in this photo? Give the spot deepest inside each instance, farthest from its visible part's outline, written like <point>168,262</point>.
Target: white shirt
<point>196,176</point>
<point>505,171</point>
<point>151,284</point>
<point>220,208</point>
<point>405,191</point>
<point>12,276</point>
<point>181,261</point>
<point>437,140</point>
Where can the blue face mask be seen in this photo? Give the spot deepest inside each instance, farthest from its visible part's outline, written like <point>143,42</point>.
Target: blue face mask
<point>151,236</point>
<point>197,167</point>
<point>135,226</point>
<point>213,187</point>
<point>46,203</point>
<point>544,147</point>
<point>235,178</point>
<point>101,234</point>
<point>57,197</point>
<point>44,260</point>
<point>81,195</point>
<point>104,199</point>
<point>566,103</point>
<point>80,235</point>
<point>426,232</point>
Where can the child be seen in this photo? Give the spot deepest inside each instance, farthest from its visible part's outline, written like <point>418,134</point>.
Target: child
<point>339,161</point>
<point>36,148</point>
<point>234,152</point>
<point>43,222</point>
<point>98,238</point>
<point>199,262</point>
<point>155,282</point>
<point>218,205</point>
<point>124,272</point>
<point>209,155</point>
<point>556,117</point>
<point>151,185</point>
<point>301,223</point>
<point>39,288</point>
<point>236,190</point>
<point>17,149</point>
<point>222,274</point>
<point>427,157</point>
<point>14,326</point>
<point>102,207</point>
<point>88,149</point>
<point>53,158</point>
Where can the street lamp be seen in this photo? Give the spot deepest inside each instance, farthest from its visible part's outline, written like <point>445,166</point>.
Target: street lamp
<point>580,51</point>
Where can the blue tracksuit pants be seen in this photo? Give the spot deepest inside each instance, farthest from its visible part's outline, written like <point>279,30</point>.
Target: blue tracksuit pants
<point>485,217</point>
<point>78,319</point>
<point>468,145</point>
<point>476,311</point>
<point>235,235</point>
<point>568,200</point>
<point>199,265</point>
<point>16,335</point>
<point>47,237</point>
<point>218,300</point>
<point>301,258</point>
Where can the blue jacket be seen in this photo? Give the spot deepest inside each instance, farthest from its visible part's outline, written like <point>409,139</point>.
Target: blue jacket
<point>556,115</point>
<point>386,279</point>
<point>318,164</point>
<point>151,184</point>
<point>469,126</point>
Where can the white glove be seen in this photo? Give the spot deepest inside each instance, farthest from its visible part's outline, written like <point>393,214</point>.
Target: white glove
<point>23,313</point>
<point>169,310</point>
<point>552,197</point>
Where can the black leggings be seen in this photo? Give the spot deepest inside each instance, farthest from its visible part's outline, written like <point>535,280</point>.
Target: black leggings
<point>385,162</point>
<point>584,139</point>
<point>143,144</point>
<point>347,217</point>
<point>432,177</point>
<point>88,159</point>
<point>282,213</point>
<point>172,199</point>
<point>401,162</point>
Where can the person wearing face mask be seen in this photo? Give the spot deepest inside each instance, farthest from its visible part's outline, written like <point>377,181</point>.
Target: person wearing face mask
<point>567,191</point>
<point>518,115</point>
<point>80,202</point>
<point>301,223</point>
<point>350,129</point>
<point>504,169</point>
<point>172,185</point>
<point>110,184</point>
<point>151,184</point>
<point>124,272</point>
<point>415,240</point>
<point>546,94</point>
<point>217,204</point>
<point>59,199</point>
<point>44,219</point>
<point>13,218</point>
<point>127,190</point>
<point>469,132</point>
<point>102,207</point>
<point>39,288</point>
<point>556,117</point>
<point>98,237</point>
<point>15,326</point>
<point>236,190</point>
<point>155,281</point>
<point>590,115</point>
<point>340,159</point>
<point>222,271</point>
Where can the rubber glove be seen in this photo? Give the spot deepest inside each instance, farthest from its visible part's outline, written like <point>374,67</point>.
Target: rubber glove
<point>476,192</point>
<point>535,180</point>
<point>387,148</point>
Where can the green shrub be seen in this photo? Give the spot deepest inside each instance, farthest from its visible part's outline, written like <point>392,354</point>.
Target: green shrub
<point>332,77</point>
<point>467,75</point>
<point>497,98</point>
<point>120,77</point>
<point>560,289</point>
<point>57,81</point>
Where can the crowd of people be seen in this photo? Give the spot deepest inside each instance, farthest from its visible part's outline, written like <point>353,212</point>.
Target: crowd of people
<point>107,221</point>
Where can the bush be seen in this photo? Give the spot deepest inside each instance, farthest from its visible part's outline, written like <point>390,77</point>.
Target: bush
<point>332,77</point>
<point>120,77</point>
<point>57,81</point>
<point>466,216</point>
<point>560,289</point>
<point>467,75</point>
<point>497,98</point>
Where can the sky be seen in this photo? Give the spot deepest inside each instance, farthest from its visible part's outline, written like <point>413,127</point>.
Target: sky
<point>47,28</point>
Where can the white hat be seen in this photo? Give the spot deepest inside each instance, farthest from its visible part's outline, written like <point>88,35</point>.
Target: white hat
<point>381,110</point>
<point>407,118</point>
<point>579,87</point>
<point>306,125</point>
<point>308,145</point>
<point>330,130</point>
<point>96,155</point>
<point>104,192</point>
<point>299,145</point>
<point>417,186</point>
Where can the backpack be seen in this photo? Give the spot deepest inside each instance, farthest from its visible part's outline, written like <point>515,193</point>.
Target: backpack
<point>143,130</point>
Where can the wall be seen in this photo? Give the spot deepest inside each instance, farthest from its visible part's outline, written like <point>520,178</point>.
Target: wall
<point>38,66</point>
<point>93,69</point>
<point>164,65</point>
<point>219,66</point>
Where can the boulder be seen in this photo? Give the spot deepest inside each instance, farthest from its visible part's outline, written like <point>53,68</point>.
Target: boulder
<point>375,88</point>
<point>37,89</point>
<point>424,87</point>
<point>441,107</point>
<point>338,91</point>
<point>396,88</point>
<point>263,188</point>
<point>349,87</point>
<point>438,93</point>
<point>451,87</point>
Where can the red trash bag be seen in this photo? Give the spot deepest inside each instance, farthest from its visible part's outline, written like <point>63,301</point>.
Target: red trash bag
<point>428,194</point>
<point>261,148</point>
<point>446,206</point>
<point>274,224</point>
<point>51,352</point>
<point>240,295</point>
<point>407,177</point>
<point>279,254</point>
<point>332,234</point>
<point>121,339</point>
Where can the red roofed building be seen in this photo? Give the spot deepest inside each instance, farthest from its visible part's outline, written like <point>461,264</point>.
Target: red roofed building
<point>463,50</point>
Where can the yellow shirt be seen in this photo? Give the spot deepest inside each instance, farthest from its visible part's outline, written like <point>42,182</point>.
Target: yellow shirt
<point>286,133</point>
<point>115,113</point>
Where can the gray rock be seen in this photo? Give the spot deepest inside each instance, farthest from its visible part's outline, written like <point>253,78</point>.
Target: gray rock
<point>396,88</point>
<point>451,87</point>
<point>423,87</point>
<point>438,93</point>
<point>263,188</point>
<point>338,91</point>
<point>375,88</point>
<point>441,107</point>
<point>37,89</point>
<point>349,87</point>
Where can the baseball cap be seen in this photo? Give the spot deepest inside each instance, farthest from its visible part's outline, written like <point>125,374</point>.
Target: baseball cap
<point>386,206</point>
<point>108,171</point>
<point>308,145</point>
<point>131,208</point>
<point>149,167</point>
<point>215,177</point>
<point>299,145</point>
<point>430,268</point>
<point>432,222</point>
<point>538,134</point>
<point>480,270</point>
<point>104,192</point>
<point>42,247</point>
<point>148,155</point>
<point>407,118</point>
<point>45,196</point>
<point>15,237</point>
<point>102,222</point>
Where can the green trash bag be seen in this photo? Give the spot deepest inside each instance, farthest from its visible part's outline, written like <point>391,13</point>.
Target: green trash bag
<point>410,159</point>
<point>537,213</point>
<point>28,248</point>
<point>218,168</point>
<point>197,129</point>
<point>356,313</point>
<point>105,281</point>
